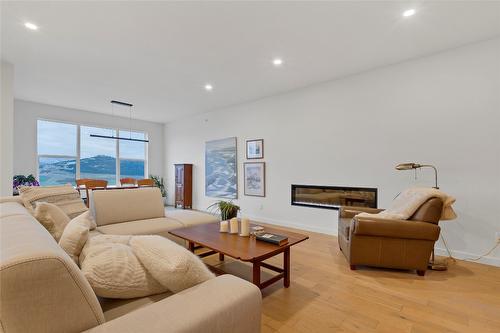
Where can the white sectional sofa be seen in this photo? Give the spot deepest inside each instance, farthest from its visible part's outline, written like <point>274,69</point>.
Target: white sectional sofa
<point>43,290</point>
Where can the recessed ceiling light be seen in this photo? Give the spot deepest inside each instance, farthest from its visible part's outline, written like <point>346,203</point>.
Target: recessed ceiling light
<point>409,12</point>
<point>208,87</point>
<point>31,26</point>
<point>277,62</point>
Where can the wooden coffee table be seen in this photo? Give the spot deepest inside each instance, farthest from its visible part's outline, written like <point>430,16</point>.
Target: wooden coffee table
<point>246,249</point>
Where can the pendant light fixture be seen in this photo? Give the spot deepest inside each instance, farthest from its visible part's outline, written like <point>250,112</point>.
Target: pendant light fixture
<point>113,103</point>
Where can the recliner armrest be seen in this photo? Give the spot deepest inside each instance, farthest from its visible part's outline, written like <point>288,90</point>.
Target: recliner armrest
<point>351,211</point>
<point>395,228</point>
<point>224,304</point>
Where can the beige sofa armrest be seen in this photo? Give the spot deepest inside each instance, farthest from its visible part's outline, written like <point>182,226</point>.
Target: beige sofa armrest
<point>408,229</point>
<point>224,304</point>
<point>16,198</point>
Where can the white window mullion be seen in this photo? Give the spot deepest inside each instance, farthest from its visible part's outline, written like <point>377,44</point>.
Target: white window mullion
<point>117,133</point>
<point>146,157</point>
<point>78,153</point>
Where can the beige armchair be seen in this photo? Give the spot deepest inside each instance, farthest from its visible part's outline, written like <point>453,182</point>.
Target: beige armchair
<point>401,244</point>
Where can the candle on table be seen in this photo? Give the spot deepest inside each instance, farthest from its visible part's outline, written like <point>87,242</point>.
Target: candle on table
<point>233,225</point>
<point>224,226</point>
<point>245,227</point>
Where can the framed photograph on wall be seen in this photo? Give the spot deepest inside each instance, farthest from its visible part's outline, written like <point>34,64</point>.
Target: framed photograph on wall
<point>255,179</point>
<point>255,149</point>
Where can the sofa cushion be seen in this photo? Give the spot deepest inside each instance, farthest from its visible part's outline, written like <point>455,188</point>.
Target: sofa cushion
<point>114,271</point>
<point>172,265</point>
<point>66,197</point>
<point>159,226</point>
<point>114,307</point>
<point>52,218</point>
<point>75,236</point>
<point>191,217</point>
<point>124,205</point>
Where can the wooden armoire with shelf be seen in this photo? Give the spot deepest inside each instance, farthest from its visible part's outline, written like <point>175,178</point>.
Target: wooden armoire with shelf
<point>183,186</point>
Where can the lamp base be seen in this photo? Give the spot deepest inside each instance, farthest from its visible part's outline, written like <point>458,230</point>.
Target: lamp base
<point>437,265</point>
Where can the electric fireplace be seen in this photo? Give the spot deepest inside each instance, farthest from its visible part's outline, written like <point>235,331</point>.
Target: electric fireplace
<point>332,197</point>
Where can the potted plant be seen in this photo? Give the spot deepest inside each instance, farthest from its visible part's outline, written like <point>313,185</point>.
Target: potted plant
<point>161,185</point>
<point>226,209</point>
<point>22,180</point>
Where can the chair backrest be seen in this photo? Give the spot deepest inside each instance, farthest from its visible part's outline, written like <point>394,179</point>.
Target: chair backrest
<point>94,184</point>
<point>128,181</point>
<point>430,211</point>
<point>43,290</point>
<point>81,182</point>
<point>124,205</point>
<point>146,182</point>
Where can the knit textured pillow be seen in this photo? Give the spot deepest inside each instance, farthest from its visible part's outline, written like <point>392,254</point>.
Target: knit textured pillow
<point>65,197</point>
<point>114,271</point>
<point>172,265</point>
<point>52,218</point>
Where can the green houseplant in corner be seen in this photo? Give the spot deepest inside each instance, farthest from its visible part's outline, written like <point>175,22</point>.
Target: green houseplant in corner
<point>161,185</point>
<point>226,209</point>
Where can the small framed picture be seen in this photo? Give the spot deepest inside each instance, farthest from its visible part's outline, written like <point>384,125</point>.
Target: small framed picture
<point>255,179</point>
<point>255,149</point>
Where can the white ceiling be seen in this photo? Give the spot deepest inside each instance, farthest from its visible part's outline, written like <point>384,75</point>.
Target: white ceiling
<point>159,55</point>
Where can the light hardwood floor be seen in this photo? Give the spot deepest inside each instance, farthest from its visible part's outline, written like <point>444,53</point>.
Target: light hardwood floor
<point>325,296</point>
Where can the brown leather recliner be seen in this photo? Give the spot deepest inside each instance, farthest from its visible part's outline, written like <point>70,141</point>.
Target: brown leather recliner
<point>401,244</point>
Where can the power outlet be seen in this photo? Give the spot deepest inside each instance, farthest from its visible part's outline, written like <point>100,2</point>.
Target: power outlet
<point>497,234</point>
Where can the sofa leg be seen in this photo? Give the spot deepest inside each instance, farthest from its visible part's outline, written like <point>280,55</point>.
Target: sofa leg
<point>353,267</point>
<point>420,273</point>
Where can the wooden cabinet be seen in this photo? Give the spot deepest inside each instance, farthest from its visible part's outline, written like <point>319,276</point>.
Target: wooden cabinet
<point>183,185</point>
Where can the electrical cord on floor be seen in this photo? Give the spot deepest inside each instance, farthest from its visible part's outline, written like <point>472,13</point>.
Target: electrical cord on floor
<point>484,255</point>
<point>472,259</point>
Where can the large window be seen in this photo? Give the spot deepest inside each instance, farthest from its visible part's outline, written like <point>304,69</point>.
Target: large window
<point>98,155</point>
<point>132,155</point>
<point>57,153</point>
<point>67,152</point>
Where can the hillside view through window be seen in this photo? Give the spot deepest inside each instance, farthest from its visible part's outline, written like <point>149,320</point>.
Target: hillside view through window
<point>60,162</point>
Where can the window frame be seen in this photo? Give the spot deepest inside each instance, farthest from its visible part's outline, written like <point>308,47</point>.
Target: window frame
<point>78,147</point>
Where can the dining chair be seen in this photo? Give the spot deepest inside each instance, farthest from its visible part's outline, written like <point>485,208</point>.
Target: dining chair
<point>94,184</point>
<point>145,182</point>
<point>128,181</point>
<point>80,185</point>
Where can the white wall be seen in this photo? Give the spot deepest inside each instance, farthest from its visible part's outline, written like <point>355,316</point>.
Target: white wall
<point>6,128</point>
<point>443,109</point>
<point>26,115</point>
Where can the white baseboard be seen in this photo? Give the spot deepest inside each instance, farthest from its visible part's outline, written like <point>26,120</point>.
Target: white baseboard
<point>300,226</point>
<point>488,260</point>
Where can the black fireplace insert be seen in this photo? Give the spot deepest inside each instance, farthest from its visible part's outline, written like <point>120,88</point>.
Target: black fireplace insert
<point>332,197</point>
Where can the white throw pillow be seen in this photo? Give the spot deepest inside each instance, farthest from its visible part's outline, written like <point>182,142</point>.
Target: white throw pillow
<point>114,271</point>
<point>172,265</point>
<point>75,236</point>
<point>102,239</point>
<point>52,218</point>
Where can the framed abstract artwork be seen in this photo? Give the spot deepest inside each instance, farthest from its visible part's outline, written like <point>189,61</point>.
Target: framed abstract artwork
<point>255,179</point>
<point>255,149</point>
<point>221,178</point>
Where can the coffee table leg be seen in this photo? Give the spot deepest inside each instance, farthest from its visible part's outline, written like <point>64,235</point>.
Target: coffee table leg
<point>286,267</point>
<point>256,273</point>
<point>191,247</point>
<point>221,256</point>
